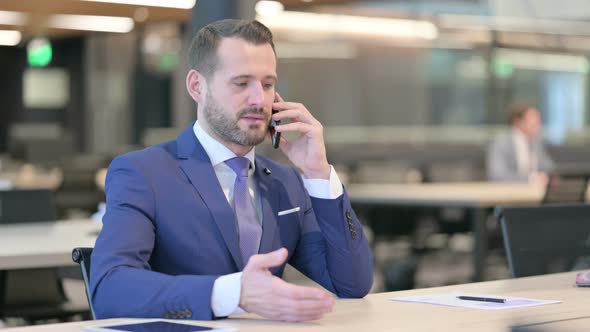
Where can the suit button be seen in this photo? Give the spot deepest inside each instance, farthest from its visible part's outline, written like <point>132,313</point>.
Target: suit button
<point>348,215</point>
<point>353,234</point>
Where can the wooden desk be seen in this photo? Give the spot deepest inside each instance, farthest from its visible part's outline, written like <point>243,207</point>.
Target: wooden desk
<point>478,194</point>
<point>475,197</point>
<point>44,244</point>
<point>375,313</point>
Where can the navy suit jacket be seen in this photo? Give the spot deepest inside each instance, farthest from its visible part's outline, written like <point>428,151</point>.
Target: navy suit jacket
<point>169,232</point>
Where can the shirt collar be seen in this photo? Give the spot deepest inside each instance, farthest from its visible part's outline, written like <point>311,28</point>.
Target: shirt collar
<point>217,152</point>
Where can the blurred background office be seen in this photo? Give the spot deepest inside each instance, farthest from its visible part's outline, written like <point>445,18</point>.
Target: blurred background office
<point>408,91</point>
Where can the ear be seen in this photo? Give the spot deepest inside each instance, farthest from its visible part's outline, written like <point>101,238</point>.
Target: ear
<point>196,85</point>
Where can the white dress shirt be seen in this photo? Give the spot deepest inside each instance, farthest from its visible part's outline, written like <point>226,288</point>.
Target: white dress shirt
<point>226,289</point>
<point>526,161</point>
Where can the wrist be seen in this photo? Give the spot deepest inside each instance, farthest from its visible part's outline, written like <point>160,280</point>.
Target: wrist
<point>322,172</point>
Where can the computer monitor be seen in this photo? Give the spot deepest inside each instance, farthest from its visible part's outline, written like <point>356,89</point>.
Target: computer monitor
<point>24,205</point>
<point>546,239</point>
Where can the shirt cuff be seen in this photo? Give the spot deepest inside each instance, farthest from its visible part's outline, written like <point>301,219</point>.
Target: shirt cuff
<point>324,189</point>
<point>226,295</point>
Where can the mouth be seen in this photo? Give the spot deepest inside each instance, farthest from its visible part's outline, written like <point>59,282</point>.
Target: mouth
<point>253,119</point>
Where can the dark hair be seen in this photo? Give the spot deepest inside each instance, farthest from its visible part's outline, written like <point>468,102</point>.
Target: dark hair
<point>203,50</point>
<point>518,110</point>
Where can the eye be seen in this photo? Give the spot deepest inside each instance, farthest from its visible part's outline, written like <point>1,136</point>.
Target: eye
<point>268,86</point>
<point>241,84</point>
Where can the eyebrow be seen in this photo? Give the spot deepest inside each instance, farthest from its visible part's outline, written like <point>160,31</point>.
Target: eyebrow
<point>272,77</point>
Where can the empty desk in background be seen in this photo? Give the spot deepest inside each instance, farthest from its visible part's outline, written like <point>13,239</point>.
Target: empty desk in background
<point>475,197</point>
<point>31,253</point>
<point>44,244</point>
<point>376,313</point>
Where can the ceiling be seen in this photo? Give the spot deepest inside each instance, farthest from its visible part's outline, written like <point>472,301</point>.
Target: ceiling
<point>40,10</point>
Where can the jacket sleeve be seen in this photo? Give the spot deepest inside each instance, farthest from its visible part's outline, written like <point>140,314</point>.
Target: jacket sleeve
<point>122,283</point>
<point>333,250</point>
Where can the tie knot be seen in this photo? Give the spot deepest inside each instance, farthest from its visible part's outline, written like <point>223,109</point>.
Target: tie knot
<point>240,165</point>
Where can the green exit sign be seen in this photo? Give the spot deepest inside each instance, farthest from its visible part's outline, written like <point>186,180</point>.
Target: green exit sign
<point>39,52</point>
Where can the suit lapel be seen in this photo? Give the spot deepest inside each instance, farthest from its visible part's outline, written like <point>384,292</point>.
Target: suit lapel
<point>195,163</point>
<point>269,197</point>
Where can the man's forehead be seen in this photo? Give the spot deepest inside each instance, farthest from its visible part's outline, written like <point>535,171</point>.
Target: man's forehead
<point>241,59</point>
<point>239,47</point>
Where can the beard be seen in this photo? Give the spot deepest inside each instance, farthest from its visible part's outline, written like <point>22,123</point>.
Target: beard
<point>227,127</point>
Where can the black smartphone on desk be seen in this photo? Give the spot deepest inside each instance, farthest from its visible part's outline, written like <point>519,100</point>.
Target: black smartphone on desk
<point>274,135</point>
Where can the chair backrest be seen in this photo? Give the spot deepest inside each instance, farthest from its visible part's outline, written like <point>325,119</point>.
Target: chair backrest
<point>546,239</point>
<point>566,188</point>
<point>27,291</point>
<point>23,205</point>
<point>82,257</point>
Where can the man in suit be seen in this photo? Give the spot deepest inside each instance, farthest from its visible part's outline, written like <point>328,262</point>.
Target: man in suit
<point>201,227</point>
<point>519,155</point>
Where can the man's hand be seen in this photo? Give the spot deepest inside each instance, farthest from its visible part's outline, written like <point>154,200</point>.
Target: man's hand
<point>307,151</point>
<point>268,296</point>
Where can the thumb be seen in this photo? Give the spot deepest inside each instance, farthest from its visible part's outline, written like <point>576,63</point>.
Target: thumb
<point>271,259</point>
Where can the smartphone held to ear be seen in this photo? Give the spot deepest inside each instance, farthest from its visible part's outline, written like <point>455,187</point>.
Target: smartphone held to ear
<point>274,135</point>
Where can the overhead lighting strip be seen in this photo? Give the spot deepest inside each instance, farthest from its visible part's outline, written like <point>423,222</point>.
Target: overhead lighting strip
<point>73,22</point>
<point>273,15</point>
<point>12,18</point>
<point>180,4</point>
<point>10,37</point>
<point>91,23</point>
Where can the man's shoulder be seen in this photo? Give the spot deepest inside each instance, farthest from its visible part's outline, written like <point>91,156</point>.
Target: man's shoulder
<point>503,138</point>
<point>149,155</point>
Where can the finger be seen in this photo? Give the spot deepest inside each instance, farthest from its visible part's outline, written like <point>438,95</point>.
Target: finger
<point>306,307</point>
<point>278,97</point>
<point>299,318</point>
<point>291,291</point>
<point>296,115</point>
<point>286,106</point>
<point>294,126</point>
<point>265,261</point>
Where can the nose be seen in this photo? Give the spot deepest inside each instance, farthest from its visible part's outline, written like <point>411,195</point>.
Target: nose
<point>256,95</point>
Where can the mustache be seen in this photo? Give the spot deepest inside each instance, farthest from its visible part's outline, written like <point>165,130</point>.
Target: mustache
<point>249,111</point>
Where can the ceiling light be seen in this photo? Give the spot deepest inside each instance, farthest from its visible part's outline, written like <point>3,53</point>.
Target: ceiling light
<point>350,25</point>
<point>268,8</point>
<point>181,4</point>
<point>12,18</point>
<point>91,23</point>
<point>9,37</point>
<point>515,24</point>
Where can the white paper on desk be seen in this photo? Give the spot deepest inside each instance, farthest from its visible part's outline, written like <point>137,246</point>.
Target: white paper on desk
<point>450,299</point>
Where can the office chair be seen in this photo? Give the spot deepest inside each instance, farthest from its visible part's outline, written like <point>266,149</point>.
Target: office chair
<point>23,205</point>
<point>546,239</point>
<point>82,257</point>
<point>566,188</point>
<point>33,294</point>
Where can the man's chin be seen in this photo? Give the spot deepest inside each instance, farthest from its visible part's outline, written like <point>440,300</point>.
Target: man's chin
<point>252,138</point>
